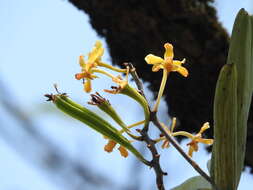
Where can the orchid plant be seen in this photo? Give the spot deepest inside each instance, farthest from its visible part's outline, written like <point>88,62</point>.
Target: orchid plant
<point>229,123</point>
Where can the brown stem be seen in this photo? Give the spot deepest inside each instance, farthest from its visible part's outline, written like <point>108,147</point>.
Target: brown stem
<point>155,162</point>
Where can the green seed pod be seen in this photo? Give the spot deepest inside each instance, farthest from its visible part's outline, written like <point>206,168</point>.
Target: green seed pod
<point>91,119</point>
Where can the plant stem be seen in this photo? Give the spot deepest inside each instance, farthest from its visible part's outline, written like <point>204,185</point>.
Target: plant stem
<point>155,162</point>
<point>160,93</point>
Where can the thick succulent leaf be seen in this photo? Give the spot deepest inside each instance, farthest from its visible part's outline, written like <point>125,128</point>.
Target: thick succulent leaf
<point>224,160</point>
<point>240,51</point>
<point>231,106</point>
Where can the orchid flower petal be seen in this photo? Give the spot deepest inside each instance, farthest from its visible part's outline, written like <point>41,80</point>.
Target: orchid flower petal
<point>152,59</point>
<point>168,51</point>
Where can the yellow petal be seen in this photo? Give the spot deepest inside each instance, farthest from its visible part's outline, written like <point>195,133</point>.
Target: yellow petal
<point>92,76</point>
<point>190,151</point>
<point>123,151</point>
<point>168,51</point>
<point>204,127</point>
<point>96,53</point>
<point>81,61</point>
<point>182,70</point>
<point>177,63</point>
<point>152,59</point>
<point>157,67</point>
<point>79,76</point>
<point>87,85</point>
<point>173,124</point>
<point>206,141</point>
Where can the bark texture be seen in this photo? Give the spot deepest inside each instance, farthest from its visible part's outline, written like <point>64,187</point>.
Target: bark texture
<point>135,28</point>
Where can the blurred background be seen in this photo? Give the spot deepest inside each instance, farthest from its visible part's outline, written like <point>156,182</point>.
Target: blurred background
<point>40,148</point>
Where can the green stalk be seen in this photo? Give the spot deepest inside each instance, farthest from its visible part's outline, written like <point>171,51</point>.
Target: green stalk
<point>162,86</point>
<point>134,94</point>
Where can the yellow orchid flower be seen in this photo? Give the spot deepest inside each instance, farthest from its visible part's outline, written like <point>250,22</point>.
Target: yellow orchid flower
<point>94,57</point>
<point>168,65</point>
<point>87,73</point>
<point>198,139</point>
<point>195,139</point>
<point>167,62</point>
<point>89,66</point>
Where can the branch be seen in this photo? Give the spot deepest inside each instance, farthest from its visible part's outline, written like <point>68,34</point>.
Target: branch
<point>155,162</point>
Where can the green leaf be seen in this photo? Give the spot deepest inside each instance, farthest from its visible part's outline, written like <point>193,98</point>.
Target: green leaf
<point>240,54</point>
<point>231,106</point>
<point>224,161</point>
<point>194,183</point>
